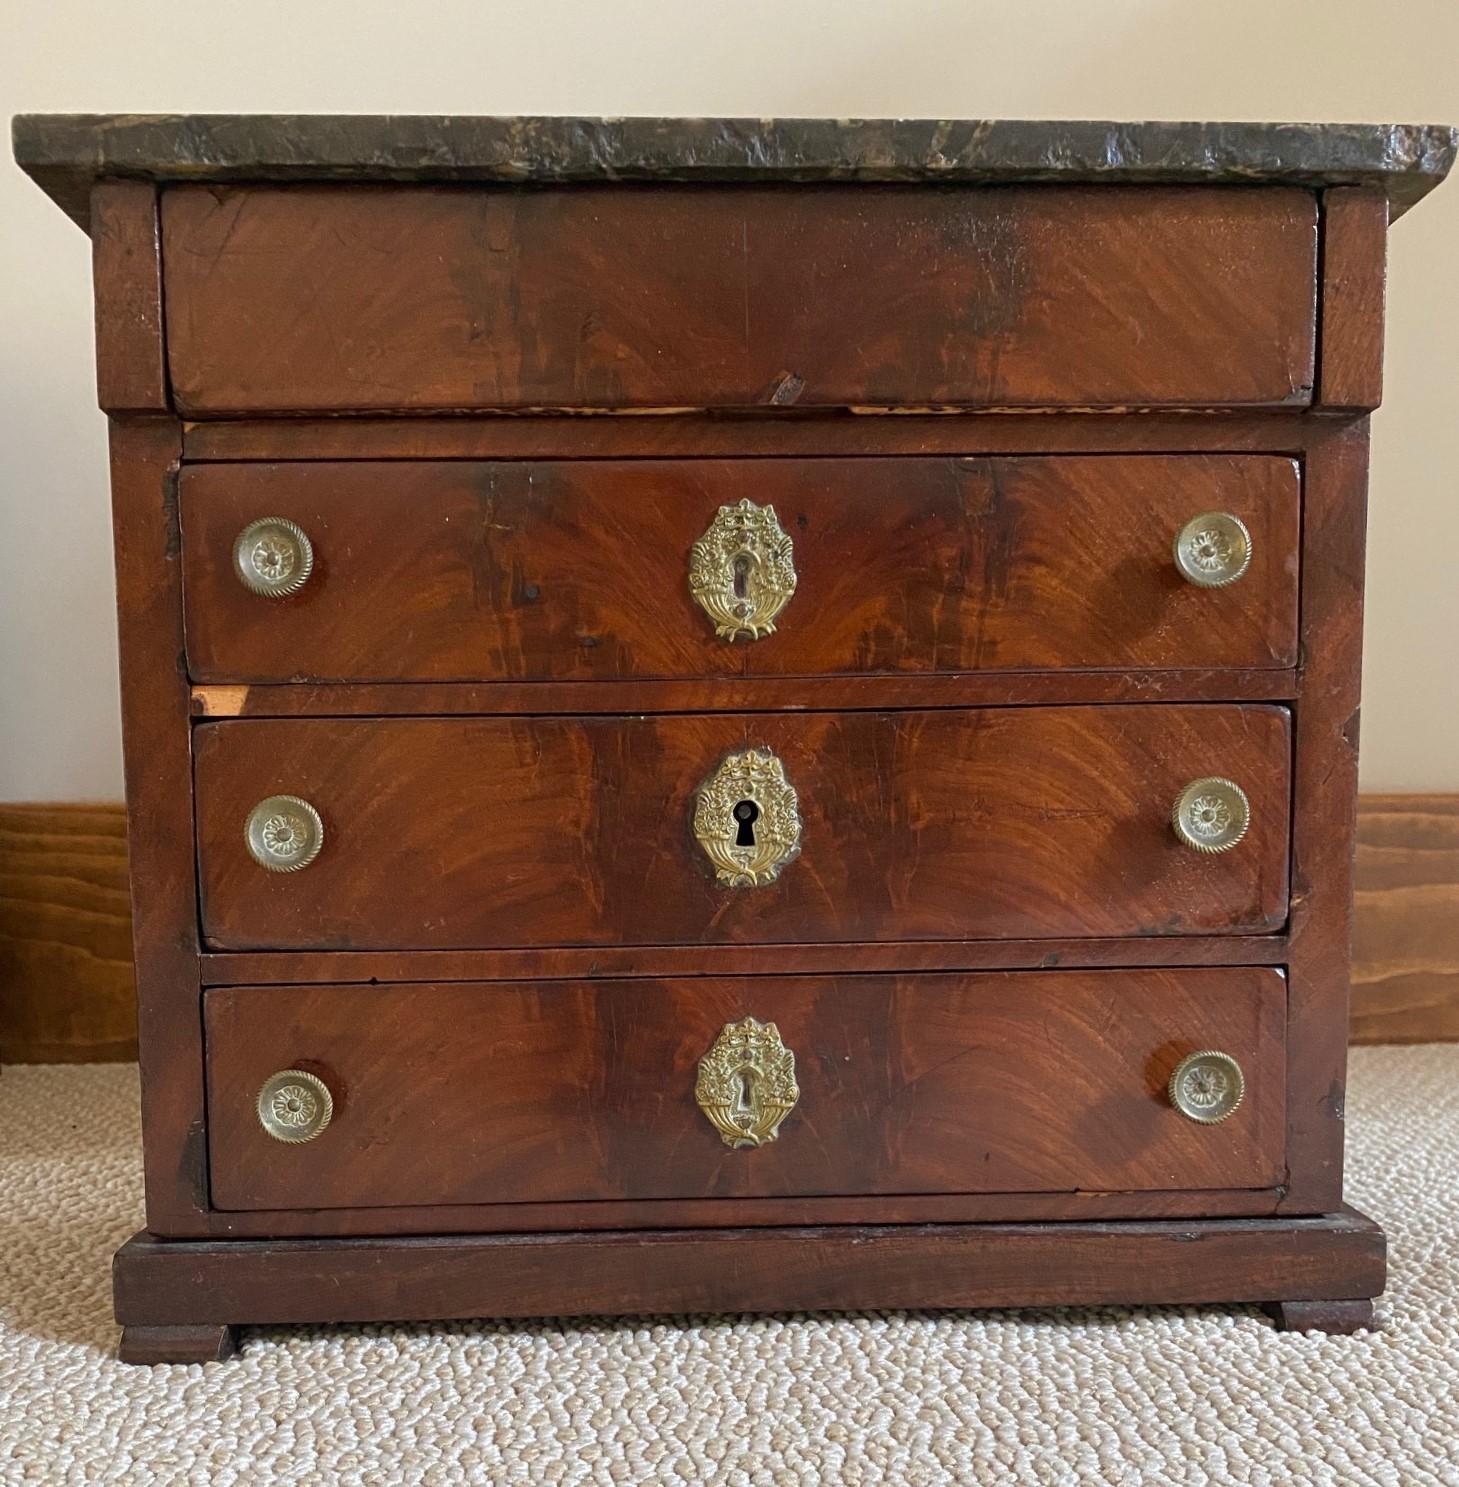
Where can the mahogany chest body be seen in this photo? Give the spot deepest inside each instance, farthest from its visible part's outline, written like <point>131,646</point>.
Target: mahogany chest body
<point>731,716</point>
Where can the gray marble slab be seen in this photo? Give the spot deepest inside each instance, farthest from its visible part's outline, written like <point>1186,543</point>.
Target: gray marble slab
<point>65,153</point>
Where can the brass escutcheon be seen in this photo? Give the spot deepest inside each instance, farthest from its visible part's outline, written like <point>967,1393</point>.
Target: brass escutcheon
<point>747,819</point>
<point>742,571</point>
<point>746,1083</point>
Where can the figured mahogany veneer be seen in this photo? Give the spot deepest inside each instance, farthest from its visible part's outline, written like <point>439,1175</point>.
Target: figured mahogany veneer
<point>980,412</point>
<point>460,571</point>
<point>985,823</point>
<point>337,297</point>
<point>1018,1082</point>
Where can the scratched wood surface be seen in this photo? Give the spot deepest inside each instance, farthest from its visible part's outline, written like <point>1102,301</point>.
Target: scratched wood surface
<point>378,298</point>
<point>993,823</point>
<point>459,571</point>
<point>564,1090</point>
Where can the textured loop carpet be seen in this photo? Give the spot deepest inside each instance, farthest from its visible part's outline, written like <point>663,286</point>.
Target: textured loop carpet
<point>1111,1397</point>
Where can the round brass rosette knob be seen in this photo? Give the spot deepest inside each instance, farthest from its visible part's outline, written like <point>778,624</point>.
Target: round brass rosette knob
<point>1211,814</point>
<point>1207,1086</point>
<point>273,557</point>
<point>284,833</point>
<point>1213,549</point>
<point>294,1106</point>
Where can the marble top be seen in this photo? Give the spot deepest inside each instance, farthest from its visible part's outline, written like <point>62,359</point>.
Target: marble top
<point>65,153</point>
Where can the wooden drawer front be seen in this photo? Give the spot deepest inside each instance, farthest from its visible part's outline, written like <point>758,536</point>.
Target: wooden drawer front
<point>510,1091</point>
<point>580,570</point>
<point>332,297</point>
<point>984,824</point>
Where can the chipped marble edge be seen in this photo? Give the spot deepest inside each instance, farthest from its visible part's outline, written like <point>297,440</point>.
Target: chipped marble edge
<point>65,153</point>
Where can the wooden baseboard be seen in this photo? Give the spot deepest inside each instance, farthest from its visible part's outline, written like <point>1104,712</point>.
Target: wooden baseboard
<point>66,956</point>
<point>66,992</point>
<point>1406,920</point>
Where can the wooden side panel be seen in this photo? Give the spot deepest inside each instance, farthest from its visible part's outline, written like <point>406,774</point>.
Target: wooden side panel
<point>459,571</point>
<point>1017,823</point>
<point>66,989</point>
<point>333,297</point>
<point>1354,264</point>
<point>157,750</point>
<point>570,1091</point>
<point>1324,791</point>
<point>131,371</point>
<point>1406,919</point>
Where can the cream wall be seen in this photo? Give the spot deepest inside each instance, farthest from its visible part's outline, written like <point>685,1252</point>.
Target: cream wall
<point>1239,59</point>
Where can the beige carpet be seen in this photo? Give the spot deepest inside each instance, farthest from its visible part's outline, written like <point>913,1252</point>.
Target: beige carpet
<point>1170,1397</point>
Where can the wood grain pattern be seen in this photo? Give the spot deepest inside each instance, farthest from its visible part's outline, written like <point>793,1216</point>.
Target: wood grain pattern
<point>1183,1262</point>
<point>1324,800</point>
<point>1405,953</point>
<point>131,369</point>
<point>196,1343</point>
<point>458,571</point>
<point>1406,930</point>
<point>1335,1318</point>
<point>563,1091</point>
<point>1354,264</point>
<point>738,694</point>
<point>1011,823</point>
<point>421,298</point>
<point>1075,1206</point>
<point>66,988</point>
<point>243,968</point>
<point>157,757</point>
<point>687,434</point>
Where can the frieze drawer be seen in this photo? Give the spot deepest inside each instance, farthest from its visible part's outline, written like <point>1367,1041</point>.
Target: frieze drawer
<point>339,298</point>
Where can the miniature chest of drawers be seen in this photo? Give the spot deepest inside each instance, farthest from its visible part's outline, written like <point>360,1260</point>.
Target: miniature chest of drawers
<point>737,716</point>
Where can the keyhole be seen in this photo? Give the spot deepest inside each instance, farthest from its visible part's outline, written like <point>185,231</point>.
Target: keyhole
<point>742,576</point>
<point>743,1104</point>
<point>746,813</point>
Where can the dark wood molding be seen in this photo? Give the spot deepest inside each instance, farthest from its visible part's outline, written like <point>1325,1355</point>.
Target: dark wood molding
<point>175,1298</point>
<point>65,941</point>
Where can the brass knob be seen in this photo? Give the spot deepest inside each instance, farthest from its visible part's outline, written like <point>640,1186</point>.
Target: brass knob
<point>1211,814</point>
<point>1213,549</point>
<point>742,571</point>
<point>747,819</point>
<point>284,833</point>
<point>273,557</point>
<point>294,1106</point>
<point>1207,1086</point>
<point>746,1083</point>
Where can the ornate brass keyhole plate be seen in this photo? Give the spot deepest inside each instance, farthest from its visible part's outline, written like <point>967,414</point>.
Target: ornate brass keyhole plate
<point>742,571</point>
<point>747,819</point>
<point>746,1083</point>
